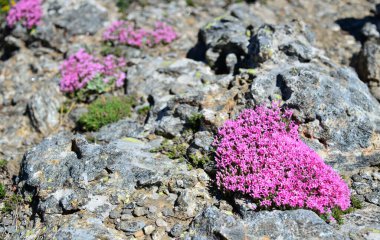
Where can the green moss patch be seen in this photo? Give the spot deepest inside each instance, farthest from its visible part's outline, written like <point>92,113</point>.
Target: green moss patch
<point>106,110</point>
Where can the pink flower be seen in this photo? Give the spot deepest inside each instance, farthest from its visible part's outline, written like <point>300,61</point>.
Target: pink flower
<point>81,68</point>
<point>260,154</point>
<point>28,12</point>
<point>123,32</point>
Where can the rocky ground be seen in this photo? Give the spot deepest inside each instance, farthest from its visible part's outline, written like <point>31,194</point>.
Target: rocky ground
<point>148,176</point>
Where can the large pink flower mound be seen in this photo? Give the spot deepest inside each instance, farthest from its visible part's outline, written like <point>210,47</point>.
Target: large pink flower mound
<point>81,68</point>
<point>260,154</point>
<point>28,12</point>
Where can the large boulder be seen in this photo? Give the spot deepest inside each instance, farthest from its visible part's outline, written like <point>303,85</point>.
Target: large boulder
<point>338,115</point>
<point>107,191</point>
<point>367,64</point>
<point>295,224</point>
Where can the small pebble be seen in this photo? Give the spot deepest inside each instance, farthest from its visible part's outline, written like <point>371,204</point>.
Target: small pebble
<point>152,209</point>
<point>161,222</point>
<point>139,211</point>
<point>138,234</point>
<point>149,229</point>
<point>115,214</point>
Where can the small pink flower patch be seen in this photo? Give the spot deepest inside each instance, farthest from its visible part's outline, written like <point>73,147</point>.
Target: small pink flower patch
<point>260,154</point>
<point>123,32</point>
<point>81,68</point>
<point>27,12</point>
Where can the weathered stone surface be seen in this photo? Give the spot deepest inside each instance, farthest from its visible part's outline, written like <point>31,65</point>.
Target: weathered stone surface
<point>294,224</point>
<point>334,107</point>
<point>76,178</point>
<point>43,109</point>
<point>91,190</point>
<point>131,226</point>
<point>118,130</point>
<point>368,66</point>
<point>85,18</point>
<point>362,224</point>
<point>217,40</point>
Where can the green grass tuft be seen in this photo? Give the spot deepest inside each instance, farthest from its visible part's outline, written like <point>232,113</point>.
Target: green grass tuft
<point>2,191</point>
<point>194,121</point>
<point>338,214</point>
<point>3,163</point>
<point>11,203</point>
<point>199,161</point>
<point>173,149</point>
<point>143,110</point>
<point>105,110</point>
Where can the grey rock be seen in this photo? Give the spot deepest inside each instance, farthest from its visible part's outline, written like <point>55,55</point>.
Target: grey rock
<point>362,223</point>
<point>160,79</point>
<point>368,66</point>
<point>139,211</point>
<point>87,19</point>
<point>245,14</point>
<point>161,222</point>
<point>361,188</point>
<point>167,212</point>
<point>131,226</point>
<point>130,205</point>
<point>169,126</point>
<point>185,111</point>
<point>294,224</point>
<point>76,162</point>
<point>269,42</point>
<point>126,216</point>
<point>220,38</point>
<point>72,201</point>
<point>321,97</point>
<point>176,230</point>
<point>186,203</point>
<point>377,8</point>
<point>43,109</point>
<point>203,140</point>
<point>93,230</point>
<point>369,30</point>
<point>296,48</point>
<point>115,214</point>
<point>120,129</point>
<point>152,209</point>
<point>159,234</point>
<point>373,197</point>
<point>149,229</point>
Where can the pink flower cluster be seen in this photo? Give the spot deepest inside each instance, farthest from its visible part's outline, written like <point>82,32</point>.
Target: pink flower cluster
<point>81,68</point>
<point>260,154</point>
<point>123,32</point>
<point>28,12</point>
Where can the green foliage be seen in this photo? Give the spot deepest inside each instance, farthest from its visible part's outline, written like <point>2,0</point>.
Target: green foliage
<point>5,6</point>
<point>3,163</point>
<point>123,5</point>
<point>338,214</point>
<point>11,203</point>
<point>106,110</point>
<point>2,191</point>
<point>194,121</point>
<point>97,85</point>
<point>199,161</point>
<point>190,3</point>
<point>356,203</point>
<point>109,49</point>
<point>174,149</point>
<point>143,110</point>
